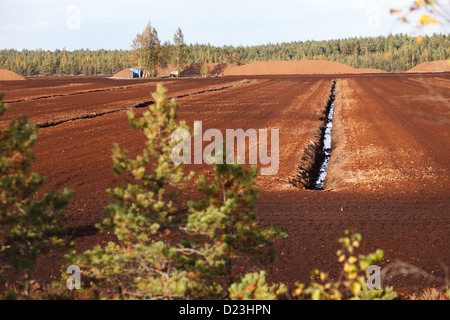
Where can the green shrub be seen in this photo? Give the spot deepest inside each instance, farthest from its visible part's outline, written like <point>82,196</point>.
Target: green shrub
<point>352,283</point>
<point>253,286</point>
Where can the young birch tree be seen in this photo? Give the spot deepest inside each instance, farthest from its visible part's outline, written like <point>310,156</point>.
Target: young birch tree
<point>180,48</point>
<point>164,56</point>
<point>146,47</point>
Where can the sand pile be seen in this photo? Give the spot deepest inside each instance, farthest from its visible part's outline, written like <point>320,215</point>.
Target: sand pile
<point>433,66</point>
<point>291,67</point>
<point>125,73</point>
<point>7,75</point>
<point>194,69</point>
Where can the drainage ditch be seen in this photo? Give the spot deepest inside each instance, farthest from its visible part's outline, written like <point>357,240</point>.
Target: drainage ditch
<point>312,170</point>
<point>326,149</point>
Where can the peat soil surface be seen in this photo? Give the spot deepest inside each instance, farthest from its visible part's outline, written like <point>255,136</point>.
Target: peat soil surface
<point>387,179</point>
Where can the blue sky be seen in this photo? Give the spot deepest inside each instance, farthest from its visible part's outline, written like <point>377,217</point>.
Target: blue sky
<point>97,24</point>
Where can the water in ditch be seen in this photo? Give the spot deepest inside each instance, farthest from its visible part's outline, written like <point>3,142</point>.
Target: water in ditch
<point>326,150</point>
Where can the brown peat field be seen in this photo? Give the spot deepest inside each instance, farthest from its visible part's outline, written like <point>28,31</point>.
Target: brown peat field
<point>387,179</point>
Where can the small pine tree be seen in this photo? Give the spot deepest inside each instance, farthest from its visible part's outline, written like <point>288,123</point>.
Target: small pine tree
<point>29,223</point>
<point>163,251</point>
<point>226,215</point>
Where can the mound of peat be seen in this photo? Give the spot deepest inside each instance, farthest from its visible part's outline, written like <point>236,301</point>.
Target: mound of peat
<point>7,75</point>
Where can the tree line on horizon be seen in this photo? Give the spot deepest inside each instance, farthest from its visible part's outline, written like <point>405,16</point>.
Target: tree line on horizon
<point>390,53</point>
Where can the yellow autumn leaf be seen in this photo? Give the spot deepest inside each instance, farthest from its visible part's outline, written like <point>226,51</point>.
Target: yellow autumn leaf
<point>356,288</point>
<point>426,19</point>
<point>347,267</point>
<point>396,11</point>
<point>420,40</point>
<point>352,259</point>
<point>315,295</point>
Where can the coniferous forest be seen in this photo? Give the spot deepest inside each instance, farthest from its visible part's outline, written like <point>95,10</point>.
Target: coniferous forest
<point>392,53</point>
